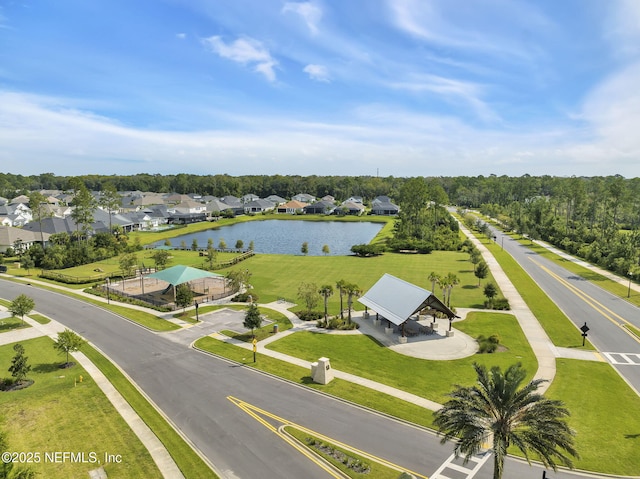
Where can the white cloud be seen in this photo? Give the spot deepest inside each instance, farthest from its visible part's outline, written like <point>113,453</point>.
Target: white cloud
<point>473,29</point>
<point>317,72</point>
<point>311,14</point>
<point>612,109</point>
<point>37,132</point>
<point>622,27</point>
<point>451,90</point>
<point>247,51</point>
<point>181,36</point>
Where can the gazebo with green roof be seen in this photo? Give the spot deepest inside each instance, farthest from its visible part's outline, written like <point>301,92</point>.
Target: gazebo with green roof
<point>180,274</point>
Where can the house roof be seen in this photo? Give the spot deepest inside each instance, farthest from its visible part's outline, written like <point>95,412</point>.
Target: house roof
<point>276,199</point>
<point>259,203</point>
<point>9,235</point>
<point>293,204</point>
<point>182,274</point>
<point>397,300</point>
<point>352,205</point>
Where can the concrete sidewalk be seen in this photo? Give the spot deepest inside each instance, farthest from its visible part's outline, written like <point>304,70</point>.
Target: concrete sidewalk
<point>537,337</point>
<point>159,453</point>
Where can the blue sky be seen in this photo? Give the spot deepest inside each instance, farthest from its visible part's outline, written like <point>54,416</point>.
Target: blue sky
<point>333,87</point>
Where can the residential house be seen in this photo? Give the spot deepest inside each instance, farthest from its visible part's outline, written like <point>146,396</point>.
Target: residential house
<point>234,203</point>
<point>216,208</point>
<point>382,205</point>
<point>190,207</point>
<point>101,221</point>
<point>24,199</point>
<point>137,200</point>
<point>141,220</point>
<point>304,198</point>
<point>328,198</point>
<point>276,200</point>
<point>292,207</point>
<point>320,208</point>
<point>15,214</point>
<point>350,208</point>
<point>249,198</point>
<point>258,206</point>
<point>11,237</point>
<point>175,198</point>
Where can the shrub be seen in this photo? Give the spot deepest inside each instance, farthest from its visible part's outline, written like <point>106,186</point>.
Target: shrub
<point>488,345</point>
<point>245,297</point>
<point>501,304</point>
<point>309,315</point>
<point>342,324</point>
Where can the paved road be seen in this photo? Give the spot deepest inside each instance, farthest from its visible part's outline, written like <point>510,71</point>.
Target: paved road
<point>193,389</point>
<point>582,301</point>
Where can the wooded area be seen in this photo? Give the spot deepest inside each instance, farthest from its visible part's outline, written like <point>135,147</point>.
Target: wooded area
<point>597,218</point>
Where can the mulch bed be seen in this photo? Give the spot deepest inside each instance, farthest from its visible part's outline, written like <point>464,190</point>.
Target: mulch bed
<point>8,385</point>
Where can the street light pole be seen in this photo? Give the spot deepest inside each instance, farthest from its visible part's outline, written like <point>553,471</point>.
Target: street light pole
<point>629,290</point>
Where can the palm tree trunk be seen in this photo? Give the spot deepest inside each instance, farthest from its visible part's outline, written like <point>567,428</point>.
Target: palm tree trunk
<point>326,319</point>
<point>499,453</point>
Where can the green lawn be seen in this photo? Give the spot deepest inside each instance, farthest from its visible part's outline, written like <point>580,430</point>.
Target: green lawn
<point>279,276</point>
<point>604,413</point>
<point>40,318</point>
<point>54,415</point>
<point>11,323</point>
<point>363,356</point>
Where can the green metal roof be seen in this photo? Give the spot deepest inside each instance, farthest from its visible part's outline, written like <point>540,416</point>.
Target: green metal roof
<point>182,274</point>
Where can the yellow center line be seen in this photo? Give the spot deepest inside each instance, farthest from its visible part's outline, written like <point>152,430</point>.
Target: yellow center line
<point>599,307</point>
<point>256,412</point>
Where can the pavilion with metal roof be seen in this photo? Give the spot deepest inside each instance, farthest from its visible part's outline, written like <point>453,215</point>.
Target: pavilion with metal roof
<point>397,300</point>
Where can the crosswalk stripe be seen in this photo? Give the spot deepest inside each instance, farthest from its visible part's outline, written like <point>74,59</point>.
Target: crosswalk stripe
<point>623,358</point>
<point>479,461</point>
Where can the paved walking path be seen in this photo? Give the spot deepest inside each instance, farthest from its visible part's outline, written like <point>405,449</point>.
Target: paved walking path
<point>538,339</point>
<point>158,452</point>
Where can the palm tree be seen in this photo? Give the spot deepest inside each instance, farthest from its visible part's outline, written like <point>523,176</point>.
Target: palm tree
<point>326,290</point>
<point>434,278</point>
<point>341,285</point>
<point>496,409</point>
<point>351,290</point>
<point>453,280</point>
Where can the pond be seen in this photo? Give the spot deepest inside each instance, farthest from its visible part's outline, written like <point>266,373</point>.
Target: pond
<point>287,236</point>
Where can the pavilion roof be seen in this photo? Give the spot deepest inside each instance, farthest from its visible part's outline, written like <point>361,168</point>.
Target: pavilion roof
<point>397,300</point>
<point>182,274</point>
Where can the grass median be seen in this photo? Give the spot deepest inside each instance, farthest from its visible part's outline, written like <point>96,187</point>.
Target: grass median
<point>188,461</point>
<point>557,325</point>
